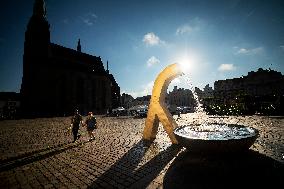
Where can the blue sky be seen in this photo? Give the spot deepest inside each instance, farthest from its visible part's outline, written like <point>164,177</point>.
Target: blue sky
<point>218,39</point>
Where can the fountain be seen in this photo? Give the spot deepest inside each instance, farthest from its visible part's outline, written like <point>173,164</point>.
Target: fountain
<point>214,137</point>
<point>205,137</point>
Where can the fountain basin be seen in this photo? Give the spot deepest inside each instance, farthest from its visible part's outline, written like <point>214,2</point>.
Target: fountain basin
<point>216,138</point>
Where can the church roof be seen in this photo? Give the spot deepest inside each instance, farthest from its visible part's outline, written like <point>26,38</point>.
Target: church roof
<point>64,54</point>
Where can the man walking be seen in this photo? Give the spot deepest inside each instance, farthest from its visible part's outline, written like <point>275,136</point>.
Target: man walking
<point>75,123</point>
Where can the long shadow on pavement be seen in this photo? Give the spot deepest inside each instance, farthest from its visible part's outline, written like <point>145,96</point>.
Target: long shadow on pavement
<point>246,170</point>
<point>126,172</point>
<point>37,155</point>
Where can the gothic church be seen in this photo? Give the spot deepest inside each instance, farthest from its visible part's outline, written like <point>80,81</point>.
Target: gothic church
<point>56,79</point>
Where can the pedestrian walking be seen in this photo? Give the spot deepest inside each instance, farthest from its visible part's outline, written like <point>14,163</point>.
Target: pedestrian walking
<point>178,113</point>
<point>91,124</point>
<point>75,124</point>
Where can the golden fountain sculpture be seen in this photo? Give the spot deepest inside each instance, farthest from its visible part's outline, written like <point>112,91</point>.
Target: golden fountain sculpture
<point>158,109</point>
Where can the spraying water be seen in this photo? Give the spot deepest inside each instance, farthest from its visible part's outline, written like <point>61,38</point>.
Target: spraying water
<point>217,134</point>
<point>199,116</point>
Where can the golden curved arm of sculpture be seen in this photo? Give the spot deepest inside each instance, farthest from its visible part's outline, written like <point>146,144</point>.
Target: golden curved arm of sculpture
<point>157,109</point>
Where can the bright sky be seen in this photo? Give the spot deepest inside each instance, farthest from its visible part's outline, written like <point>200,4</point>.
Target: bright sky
<point>219,39</point>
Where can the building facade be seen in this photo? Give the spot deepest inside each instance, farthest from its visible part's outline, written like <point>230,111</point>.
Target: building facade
<point>126,100</point>
<point>144,100</point>
<point>9,105</point>
<point>255,84</point>
<point>180,97</point>
<point>56,80</point>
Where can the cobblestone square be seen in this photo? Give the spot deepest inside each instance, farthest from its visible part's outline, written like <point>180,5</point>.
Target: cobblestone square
<point>39,153</point>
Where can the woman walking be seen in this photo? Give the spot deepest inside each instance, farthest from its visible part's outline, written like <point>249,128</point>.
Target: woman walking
<point>91,124</point>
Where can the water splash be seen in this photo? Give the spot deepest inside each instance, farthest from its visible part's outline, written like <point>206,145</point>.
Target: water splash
<point>198,108</point>
<point>199,116</point>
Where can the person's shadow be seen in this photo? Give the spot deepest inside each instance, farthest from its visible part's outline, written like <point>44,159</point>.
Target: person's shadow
<point>245,170</point>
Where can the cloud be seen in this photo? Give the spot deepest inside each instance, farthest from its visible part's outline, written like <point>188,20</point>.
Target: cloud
<point>282,47</point>
<point>226,67</point>
<point>89,19</point>
<point>186,29</point>
<point>190,27</point>
<point>153,60</point>
<point>246,51</point>
<point>243,51</point>
<point>151,39</point>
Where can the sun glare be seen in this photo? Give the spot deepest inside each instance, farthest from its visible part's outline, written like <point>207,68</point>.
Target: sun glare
<point>187,64</point>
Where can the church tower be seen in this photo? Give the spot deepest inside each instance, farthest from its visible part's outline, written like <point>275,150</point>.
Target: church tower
<point>37,36</point>
<point>36,49</point>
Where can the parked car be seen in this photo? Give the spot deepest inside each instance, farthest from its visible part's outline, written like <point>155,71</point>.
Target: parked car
<point>119,111</point>
<point>142,112</point>
<point>139,110</point>
<point>186,109</point>
<point>179,109</point>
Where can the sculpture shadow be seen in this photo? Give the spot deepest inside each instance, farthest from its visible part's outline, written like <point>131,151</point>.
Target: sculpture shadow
<point>127,171</point>
<point>244,170</point>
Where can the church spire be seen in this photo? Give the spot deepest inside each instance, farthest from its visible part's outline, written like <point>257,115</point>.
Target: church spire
<point>39,8</point>
<point>79,46</point>
<point>37,36</point>
<point>107,68</point>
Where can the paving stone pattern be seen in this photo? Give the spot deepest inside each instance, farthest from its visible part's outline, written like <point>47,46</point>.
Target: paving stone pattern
<point>39,154</point>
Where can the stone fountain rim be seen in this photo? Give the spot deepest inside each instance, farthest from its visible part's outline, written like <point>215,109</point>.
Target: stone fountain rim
<point>255,131</point>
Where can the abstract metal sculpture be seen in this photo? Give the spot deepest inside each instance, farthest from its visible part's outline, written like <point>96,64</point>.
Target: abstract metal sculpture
<point>158,109</point>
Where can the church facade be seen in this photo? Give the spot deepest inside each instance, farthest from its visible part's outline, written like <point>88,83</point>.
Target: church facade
<point>56,80</point>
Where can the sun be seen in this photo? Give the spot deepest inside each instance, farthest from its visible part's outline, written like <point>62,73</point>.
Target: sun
<point>187,64</point>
